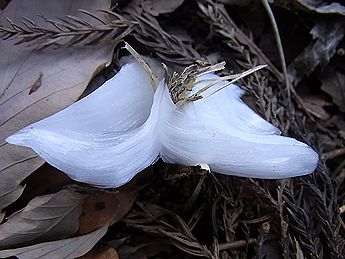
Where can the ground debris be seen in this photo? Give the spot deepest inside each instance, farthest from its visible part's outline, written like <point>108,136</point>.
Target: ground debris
<point>172,211</point>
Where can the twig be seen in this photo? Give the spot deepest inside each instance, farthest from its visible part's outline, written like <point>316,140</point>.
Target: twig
<point>279,46</point>
<point>288,85</point>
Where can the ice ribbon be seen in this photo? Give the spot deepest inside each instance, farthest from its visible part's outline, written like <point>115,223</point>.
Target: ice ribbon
<point>108,137</point>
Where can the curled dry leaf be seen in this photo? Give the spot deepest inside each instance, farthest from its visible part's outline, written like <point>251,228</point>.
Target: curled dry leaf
<point>326,35</point>
<point>66,248</point>
<point>65,74</point>
<point>320,6</point>
<point>45,218</point>
<point>104,208</point>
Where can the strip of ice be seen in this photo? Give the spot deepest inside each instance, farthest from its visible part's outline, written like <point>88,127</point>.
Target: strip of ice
<point>108,137</point>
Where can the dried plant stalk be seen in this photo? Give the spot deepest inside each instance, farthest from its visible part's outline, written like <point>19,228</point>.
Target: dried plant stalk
<point>68,31</point>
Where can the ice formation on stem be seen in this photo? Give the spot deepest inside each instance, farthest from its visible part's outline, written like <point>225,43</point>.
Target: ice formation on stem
<point>223,132</point>
<point>108,137</point>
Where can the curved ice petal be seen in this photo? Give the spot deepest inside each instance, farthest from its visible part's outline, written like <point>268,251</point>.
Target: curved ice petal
<point>107,149</point>
<point>190,135</point>
<point>230,107</point>
<point>123,102</point>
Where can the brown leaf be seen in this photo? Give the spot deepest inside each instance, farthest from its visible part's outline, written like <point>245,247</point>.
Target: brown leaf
<point>320,6</point>
<point>104,208</point>
<point>104,253</point>
<point>158,7</point>
<point>126,201</point>
<point>45,218</point>
<point>98,210</point>
<point>315,105</point>
<point>66,248</point>
<point>53,180</point>
<point>9,191</point>
<point>65,74</point>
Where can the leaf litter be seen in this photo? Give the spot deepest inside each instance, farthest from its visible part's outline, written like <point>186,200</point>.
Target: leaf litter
<point>65,74</point>
<point>44,218</point>
<point>65,248</point>
<point>197,212</point>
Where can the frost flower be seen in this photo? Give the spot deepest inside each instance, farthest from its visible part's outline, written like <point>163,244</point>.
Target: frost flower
<point>108,137</point>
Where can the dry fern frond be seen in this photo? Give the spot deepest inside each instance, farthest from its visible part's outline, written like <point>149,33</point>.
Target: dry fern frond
<point>236,39</point>
<point>167,46</point>
<point>181,84</point>
<point>327,210</point>
<point>68,31</point>
<point>302,224</point>
<point>156,220</point>
<point>75,31</point>
<point>285,241</point>
<point>247,55</point>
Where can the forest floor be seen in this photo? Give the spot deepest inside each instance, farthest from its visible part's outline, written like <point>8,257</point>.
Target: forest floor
<point>172,211</point>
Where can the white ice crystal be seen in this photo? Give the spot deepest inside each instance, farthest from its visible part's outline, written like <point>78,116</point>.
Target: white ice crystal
<point>108,137</point>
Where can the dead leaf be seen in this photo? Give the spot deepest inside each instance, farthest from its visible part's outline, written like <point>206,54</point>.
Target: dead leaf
<point>315,105</point>
<point>126,201</point>
<point>320,6</point>
<point>53,179</point>
<point>98,210</point>
<point>104,253</point>
<point>47,217</point>
<point>65,74</point>
<point>101,209</point>
<point>333,83</point>
<point>8,193</point>
<point>157,7</point>
<point>66,248</point>
<point>327,36</point>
